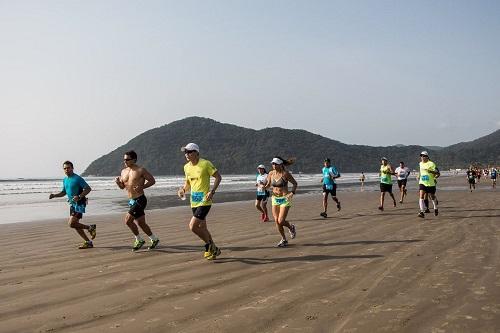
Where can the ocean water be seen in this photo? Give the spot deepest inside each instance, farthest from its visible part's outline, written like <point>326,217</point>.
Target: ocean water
<point>23,200</point>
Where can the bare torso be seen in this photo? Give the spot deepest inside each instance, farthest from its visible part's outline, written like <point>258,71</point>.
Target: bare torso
<point>133,179</point>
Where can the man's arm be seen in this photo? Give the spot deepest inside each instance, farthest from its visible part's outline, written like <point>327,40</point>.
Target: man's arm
<point>118,181</point>
<point>150,180</point>
<point>86,190</point>
<point>217,181</point>
<point>57,195</point>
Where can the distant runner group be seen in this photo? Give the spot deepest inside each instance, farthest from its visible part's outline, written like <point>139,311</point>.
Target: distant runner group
<point>275,184</point>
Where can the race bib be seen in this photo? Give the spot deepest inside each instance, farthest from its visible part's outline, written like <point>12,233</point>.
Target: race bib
<point>197,196</point>
<point>131,202</point>
<point>425,178</point>
<point>329,187</point>
<point>261,192</point>
<point>385,179</point>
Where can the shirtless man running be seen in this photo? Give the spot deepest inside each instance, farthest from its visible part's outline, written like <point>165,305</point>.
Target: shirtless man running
<point>135,179</point>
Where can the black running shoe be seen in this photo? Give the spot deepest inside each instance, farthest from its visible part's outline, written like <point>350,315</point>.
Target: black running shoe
<point>421,214</point>
<point>324,215</point>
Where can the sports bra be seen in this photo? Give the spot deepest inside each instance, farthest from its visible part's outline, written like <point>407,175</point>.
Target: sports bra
<point>279,183</point>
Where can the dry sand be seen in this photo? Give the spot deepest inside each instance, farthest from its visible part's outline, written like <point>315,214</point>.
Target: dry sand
<point>360,270</point>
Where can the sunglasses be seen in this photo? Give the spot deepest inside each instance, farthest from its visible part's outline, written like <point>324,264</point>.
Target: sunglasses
<point>188,151</point>
<point>127,159</point>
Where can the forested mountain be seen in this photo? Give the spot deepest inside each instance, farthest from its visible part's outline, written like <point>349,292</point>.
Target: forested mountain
<point>238,150</point>
<point>483,151</point>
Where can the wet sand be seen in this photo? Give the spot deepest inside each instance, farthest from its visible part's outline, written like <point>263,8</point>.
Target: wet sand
<point>359,270</point>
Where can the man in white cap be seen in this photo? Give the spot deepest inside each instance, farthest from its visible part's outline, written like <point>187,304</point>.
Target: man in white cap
<point>262,192</point>
<point>427,183</point>
<point>198,172</point>
<point>386,172</point>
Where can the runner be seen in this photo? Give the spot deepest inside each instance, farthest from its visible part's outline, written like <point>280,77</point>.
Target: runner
<point>493,176</point>
<point>402,173</point>
<point>330,173</point>
<point>198,172</point>
<point>386,172</point>
<point>262,193</point>
<point>76,189</point>
<point>281,202</point>
<point>362,180</point>
<point>135,179</point>
<point>427,183</point>
<point>471,178</point>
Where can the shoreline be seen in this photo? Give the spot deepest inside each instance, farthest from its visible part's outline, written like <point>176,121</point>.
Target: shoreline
<point>157,203</point>
<point>355,270</point>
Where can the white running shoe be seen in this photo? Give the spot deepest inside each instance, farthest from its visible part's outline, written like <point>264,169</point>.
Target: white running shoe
<point>282,243</point>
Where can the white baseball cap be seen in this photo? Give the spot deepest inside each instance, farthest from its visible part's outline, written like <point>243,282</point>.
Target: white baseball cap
<point>384,158</point>
<point>261,166</point>
<point>191,146</point>
<point>276,161</point>
<point>424,153</point>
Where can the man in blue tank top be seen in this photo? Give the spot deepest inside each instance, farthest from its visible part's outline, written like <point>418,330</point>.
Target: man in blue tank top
<point>330,173</point>
<point>76,189</point>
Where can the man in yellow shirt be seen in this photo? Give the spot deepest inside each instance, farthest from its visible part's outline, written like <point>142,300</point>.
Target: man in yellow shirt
<point>427,183</point>
<point>198,172</point>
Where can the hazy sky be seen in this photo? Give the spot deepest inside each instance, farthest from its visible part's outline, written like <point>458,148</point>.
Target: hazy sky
<point>79,78</point>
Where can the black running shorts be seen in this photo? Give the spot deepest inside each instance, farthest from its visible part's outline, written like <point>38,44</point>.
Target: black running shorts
<point>427,189</point>
<point>385,187</point>
<point>137,206</point>
<point>73,212</point>
<point>201,212</point>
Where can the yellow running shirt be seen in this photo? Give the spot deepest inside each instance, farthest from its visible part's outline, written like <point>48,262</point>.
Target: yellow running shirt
<point>426,178</point>
<point>385,174</point>
<point>198,177</point>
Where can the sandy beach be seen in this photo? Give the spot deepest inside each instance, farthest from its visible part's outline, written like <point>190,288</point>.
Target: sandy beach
<point>359,270</point>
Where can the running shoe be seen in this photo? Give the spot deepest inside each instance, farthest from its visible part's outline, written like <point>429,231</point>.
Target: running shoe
<point>153,244</point>
<point>266,219</point>
<point>262,216</point>
<point>401,201</point>
<point>436,212</point>
<point>292,230</point>
<point>92,231</point>
<point>86,245</point>
<point>324,215</point>
<point>214,253</point>
<point>421,214</point>
<point>138,244</point>
<point>381,208</point>
<point>427,210</point>
<point>282,243</point>
<point>208,249</point>
<point>338,206</point>
<point>395,203</point>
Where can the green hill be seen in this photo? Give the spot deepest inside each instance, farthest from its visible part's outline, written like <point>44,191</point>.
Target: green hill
<point>238,150</point>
